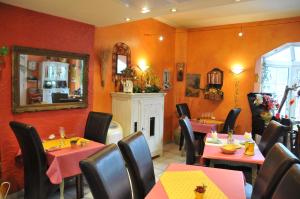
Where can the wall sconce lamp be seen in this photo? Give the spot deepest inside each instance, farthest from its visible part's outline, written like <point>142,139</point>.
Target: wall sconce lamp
<point>159,36</point>
<point>237,69</point>
<point>143,65</point>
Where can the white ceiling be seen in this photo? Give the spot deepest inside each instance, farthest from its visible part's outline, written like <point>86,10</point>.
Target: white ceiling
<point>190,14</point>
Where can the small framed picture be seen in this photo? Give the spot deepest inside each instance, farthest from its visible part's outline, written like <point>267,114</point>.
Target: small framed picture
<point>192,88</point>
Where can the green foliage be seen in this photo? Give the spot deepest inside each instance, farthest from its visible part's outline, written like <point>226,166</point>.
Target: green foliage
<point>3,51</point>
<point>152,89</point>
<point>137,89</point>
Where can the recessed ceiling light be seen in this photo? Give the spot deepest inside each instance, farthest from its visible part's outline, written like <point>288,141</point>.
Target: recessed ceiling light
<point>127,19</point>
<point>145,10</point>
<point>173,10</point>
<point>240,34</point>
<point>237,0</point>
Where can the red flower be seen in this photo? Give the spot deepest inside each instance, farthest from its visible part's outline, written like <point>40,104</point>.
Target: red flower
<point>292,101</point>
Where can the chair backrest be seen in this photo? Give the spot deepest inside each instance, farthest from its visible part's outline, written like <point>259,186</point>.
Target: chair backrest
<point>97,125</point>
<point>106,174</point>
<point>36,182</point>
<point>271,135</point>
<point>230,119</point>
<point>183,109</point>
<point>277,162</point>
<point>189,138</point>
<point>295,141</point>
<point>137,155</point>
<point>258,124</point>
<point>289,185</point>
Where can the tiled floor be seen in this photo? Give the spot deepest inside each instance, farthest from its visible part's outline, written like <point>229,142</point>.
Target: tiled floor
<point>171,154</point>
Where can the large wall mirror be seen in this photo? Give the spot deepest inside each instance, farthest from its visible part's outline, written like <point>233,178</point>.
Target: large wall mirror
<point>48,80</point>
<point>121,59</point>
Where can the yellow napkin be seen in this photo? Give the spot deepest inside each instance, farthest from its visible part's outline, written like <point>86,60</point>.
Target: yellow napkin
<point>181,184</point>
<point>61,143</point>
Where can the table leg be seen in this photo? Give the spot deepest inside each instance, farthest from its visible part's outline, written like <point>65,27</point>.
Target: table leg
<point>79,186</point>
<point>61,189</point>
<point>211,163</point>
<point>254,173</point>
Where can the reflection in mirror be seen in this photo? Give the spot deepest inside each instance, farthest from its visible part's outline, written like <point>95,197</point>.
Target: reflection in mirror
<point>121,63</point>
<point>48,80</point>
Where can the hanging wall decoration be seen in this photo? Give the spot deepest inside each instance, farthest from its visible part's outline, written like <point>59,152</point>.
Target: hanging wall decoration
<point>180,71</point>
<point>192,88</point>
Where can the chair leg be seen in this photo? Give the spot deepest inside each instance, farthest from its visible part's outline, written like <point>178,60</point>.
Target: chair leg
<point>79,186</point>
<point>181,141</point>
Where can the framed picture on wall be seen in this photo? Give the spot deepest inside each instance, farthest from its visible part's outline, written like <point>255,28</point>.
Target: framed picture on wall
<point>192,88</point>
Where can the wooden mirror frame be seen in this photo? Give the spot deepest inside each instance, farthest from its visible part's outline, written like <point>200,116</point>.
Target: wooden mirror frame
<point>119,49</point>
<point>17,108</point>
<point>215,78</point>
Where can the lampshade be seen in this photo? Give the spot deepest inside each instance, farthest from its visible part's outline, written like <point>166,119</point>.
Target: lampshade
<point>237,69</point>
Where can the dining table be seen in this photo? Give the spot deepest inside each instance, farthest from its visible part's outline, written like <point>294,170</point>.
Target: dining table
<point>63,158</point>
<point>205,125</point>
<point>213,153</point>
<point>180,181</point>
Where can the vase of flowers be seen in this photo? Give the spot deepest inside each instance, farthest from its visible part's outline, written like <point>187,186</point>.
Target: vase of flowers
<point>199,192</point>
<point>268,105</point>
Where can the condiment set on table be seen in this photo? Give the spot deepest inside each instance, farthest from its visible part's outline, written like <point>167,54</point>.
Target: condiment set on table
<point>231,145</point>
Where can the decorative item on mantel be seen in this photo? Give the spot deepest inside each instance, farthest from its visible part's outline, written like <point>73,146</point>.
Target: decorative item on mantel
<point>128,75</point>
<point>214,85</point>
<point>3,53</point>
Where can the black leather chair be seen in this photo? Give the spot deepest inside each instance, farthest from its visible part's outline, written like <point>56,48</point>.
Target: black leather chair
<point>271,135</point>
<point>182,109</point>
<point>137,155</point>
<point>97,125</point>
<point>190,141</point>
<point>106,174</point>
<point>230,120</point>
<point>277,162</point>
<point>295,141</point>
<point>288,187</point>
<point>36,183</point>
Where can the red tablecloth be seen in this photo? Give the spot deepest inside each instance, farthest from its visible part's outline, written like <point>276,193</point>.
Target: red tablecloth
<point>230,182</point>
<point>203,128</point>
<point>65,162</point>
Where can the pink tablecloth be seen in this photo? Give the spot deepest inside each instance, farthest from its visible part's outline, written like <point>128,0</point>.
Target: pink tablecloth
<point>230,182</point>
<point>214,152</point>
<point>203,128</point>
<point>65,162</point>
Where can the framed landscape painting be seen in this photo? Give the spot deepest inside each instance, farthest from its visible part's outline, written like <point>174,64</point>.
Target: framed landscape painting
<point>192,88</point>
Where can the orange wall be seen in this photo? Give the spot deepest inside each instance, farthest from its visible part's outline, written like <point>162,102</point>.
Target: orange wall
<point>220,47</point>
<point>160,56</point>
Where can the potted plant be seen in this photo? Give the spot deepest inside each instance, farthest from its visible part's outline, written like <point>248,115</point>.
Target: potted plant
<point>199,192</point>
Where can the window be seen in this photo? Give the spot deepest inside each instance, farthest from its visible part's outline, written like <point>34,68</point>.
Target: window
<point>281,68</point>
